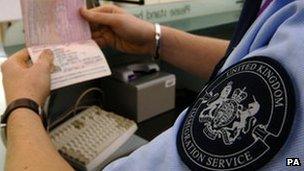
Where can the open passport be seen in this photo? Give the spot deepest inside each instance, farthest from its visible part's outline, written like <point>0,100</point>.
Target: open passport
<point>58,26</point>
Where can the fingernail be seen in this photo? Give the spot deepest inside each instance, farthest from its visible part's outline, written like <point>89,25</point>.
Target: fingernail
<point>83,9</point>
<point>48,52</point>
<point>52,68</point>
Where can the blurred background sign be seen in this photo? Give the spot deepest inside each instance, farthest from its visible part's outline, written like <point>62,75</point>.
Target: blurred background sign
<point>10,10</point>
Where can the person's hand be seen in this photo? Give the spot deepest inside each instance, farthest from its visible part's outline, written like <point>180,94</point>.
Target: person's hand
<point>121,30</point>
<point>23,80</point>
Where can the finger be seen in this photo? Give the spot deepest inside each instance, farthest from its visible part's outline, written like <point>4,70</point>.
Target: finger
<point>102,43</point>
<point>45,61</point>
<point>104,38</point>
<point>97,17</point>
<point>21,57</point>
<point>96,27</point>
<point>3,66</point>
<point>100,32</point>
<point>96,34</point>
<point>109,9</point>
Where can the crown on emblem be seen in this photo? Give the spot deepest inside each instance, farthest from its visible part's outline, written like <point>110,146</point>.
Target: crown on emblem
<point>239,95</point>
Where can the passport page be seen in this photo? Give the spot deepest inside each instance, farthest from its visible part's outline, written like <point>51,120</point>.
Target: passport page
<point>53,22</point>
<point>74,62</point>
<point>58,26</point>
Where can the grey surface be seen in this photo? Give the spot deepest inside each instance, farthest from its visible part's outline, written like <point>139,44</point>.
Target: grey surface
<point>131,145</point>
<point>13,49</point>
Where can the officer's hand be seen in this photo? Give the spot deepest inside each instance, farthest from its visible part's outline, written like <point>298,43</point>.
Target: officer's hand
<point>23,80</point>
<point>121,30</point>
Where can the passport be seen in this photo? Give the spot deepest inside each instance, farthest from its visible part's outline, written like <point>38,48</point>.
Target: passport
<point>57,25</point>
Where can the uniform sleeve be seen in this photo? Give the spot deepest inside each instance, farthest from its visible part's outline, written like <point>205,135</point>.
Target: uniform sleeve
<point>279,34</point>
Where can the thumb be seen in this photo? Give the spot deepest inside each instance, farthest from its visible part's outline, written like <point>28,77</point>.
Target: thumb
<point>98,17</point>
<point>45,61</point>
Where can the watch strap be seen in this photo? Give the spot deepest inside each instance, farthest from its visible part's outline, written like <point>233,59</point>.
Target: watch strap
<point>21,103</point>
<point>24,103</point>
<point>17,104</point>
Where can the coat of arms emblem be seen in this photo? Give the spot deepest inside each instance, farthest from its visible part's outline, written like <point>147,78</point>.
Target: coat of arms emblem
<point>240,119</point>
<point>225,116</point>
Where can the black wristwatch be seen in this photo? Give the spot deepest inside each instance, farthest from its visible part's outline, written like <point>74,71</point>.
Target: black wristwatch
<point>17,104</point>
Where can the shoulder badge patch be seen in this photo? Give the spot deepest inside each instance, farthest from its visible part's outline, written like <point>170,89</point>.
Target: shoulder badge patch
<point>240,120</point>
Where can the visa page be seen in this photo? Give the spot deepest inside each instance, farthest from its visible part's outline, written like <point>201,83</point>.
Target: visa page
<point>58,26</point>
<point>53,22</point>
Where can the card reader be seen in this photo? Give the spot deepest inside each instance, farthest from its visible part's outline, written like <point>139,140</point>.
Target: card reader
<point>134,71</point>
<point>139,91</point>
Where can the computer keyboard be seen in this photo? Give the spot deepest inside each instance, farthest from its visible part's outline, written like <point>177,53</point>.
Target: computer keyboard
<point>90,137</point>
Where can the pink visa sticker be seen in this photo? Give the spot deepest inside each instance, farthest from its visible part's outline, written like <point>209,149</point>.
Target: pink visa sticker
<point>54,22</point>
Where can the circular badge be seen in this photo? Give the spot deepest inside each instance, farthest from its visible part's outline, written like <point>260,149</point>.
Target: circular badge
<point>240,120</point>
